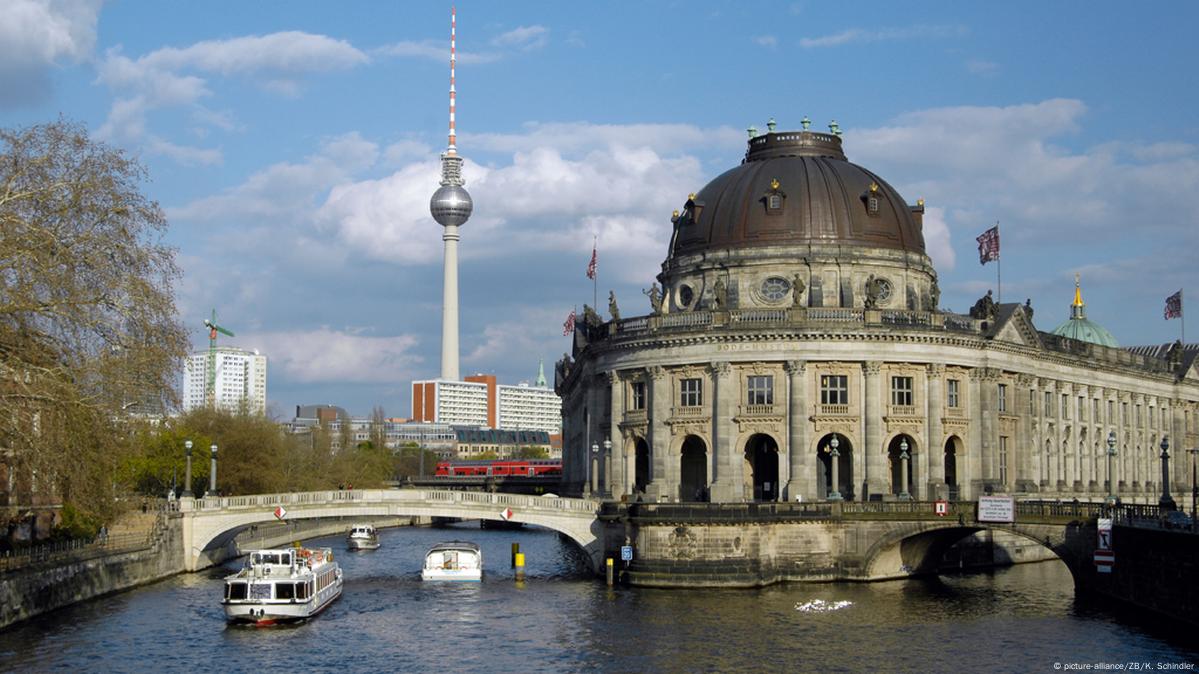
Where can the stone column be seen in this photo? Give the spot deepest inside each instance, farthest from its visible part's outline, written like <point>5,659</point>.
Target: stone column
<point>661,400</point>
<point>871,456</point>
<point>934,440</point>
<point>802,473</point>
<point>724,472</point>
<point>628,446</point>
<point>970,475</point>
<point>615,478</point>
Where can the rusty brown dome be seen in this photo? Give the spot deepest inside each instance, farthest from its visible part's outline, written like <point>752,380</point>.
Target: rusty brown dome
<point>796,187</point>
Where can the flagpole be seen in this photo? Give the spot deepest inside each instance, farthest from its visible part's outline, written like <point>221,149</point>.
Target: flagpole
<point>595,276</point>
<point>999,268</point>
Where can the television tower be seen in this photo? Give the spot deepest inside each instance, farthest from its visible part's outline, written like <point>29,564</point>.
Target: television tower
<point>451,207</point>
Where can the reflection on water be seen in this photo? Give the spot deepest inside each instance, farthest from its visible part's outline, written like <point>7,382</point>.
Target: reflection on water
<point>561,619</point>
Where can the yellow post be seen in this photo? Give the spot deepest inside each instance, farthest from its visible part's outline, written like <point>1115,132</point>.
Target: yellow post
<point>515,552</point>
<point>610,572</point>
<point>519,563</point>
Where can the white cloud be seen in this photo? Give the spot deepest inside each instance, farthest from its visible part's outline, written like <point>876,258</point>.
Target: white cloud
<point>617,183</point>
<point>524,38</point>
<point>434,50</point>
<point>171,77</point>
<point>862,35</point>
<point>766,41</point>
<point>285,187</point>
<point>35,35</point>
<point>326,355</point>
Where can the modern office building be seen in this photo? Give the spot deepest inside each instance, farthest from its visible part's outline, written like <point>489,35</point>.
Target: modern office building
<point>239,380</point>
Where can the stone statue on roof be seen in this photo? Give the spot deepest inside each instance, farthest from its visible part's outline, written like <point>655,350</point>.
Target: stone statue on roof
<point>984,308</point>
<point>655,298</point>
<point>612,308</point>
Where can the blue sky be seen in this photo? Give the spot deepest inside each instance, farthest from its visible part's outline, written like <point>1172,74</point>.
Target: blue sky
<point>294,146</point>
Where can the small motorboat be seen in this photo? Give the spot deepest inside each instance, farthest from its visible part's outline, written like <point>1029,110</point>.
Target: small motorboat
<point>282,586</point>
<point>362,537</point>
<point>453,560</point>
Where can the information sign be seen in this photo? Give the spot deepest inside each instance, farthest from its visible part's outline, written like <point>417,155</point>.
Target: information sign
<point>626,553</point>
<point>996,509</point>
<point>941,508</point>
<point>1105,533</point>
<point>1104,561</point>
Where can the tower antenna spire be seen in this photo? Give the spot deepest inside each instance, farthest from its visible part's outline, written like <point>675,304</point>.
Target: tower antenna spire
<point>453,148</point>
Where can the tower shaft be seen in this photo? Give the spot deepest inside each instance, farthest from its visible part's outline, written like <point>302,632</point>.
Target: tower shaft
<point>449,306</point>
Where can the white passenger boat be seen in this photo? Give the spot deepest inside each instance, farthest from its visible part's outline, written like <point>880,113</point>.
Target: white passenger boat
<point>362,537</point>
<point>282,586</point>
<point>453,560</point>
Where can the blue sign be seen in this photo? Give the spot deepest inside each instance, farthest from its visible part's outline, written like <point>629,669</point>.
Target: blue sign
<point>626,553</point>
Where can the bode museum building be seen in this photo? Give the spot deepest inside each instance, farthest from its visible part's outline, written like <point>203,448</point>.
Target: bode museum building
<point>795,349</point>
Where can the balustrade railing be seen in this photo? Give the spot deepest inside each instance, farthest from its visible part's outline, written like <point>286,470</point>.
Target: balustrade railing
<point>837,410</point>
<point>759,410</point>
<point>754,316</point>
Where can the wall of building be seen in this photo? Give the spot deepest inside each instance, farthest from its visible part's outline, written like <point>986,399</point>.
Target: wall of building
<point>1156,570</point>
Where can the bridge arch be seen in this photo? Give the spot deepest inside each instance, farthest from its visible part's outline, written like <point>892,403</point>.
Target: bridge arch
<point>916,548</point>
<point>209,524</point>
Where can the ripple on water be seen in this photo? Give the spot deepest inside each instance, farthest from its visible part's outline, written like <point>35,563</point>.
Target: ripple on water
<point>561,619</point>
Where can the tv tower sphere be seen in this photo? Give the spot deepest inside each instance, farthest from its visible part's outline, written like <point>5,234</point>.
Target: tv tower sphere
<point>451,205</point>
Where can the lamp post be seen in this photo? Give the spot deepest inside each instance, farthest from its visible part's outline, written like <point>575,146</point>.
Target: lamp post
<point>1112,499</point>
<point>212,475</point>
<point>608,467</point>
<point>594,467</point>
<point>834,455</point>
<point>187,479</point>
<point>1194,491</point>
<point>1166,502</point>
<point>903,470</point>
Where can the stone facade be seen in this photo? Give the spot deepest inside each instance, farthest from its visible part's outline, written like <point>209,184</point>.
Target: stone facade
<point>782,324</point>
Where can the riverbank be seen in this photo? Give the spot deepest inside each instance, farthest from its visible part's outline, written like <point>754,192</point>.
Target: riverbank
<point>41,587</point>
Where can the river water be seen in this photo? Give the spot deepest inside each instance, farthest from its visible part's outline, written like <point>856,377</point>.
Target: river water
<point>561,619</point>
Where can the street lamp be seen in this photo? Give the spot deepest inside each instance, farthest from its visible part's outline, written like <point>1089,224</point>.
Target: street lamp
<point>187,481</point>
<point>1112,499</point>
<point>1194,490</point>
<point>1166,502</point>
<point>608,467</point>
<point>903,470</point>
<point>594,467</point>
<point>834,455</point>
<point>212,475</point>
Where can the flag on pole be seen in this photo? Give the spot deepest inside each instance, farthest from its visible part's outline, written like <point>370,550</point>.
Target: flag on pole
<point>1174,305</point>
<point>280,512</point>
<point>591,265</point>
<point>988,245</point>
<point>569,326</point>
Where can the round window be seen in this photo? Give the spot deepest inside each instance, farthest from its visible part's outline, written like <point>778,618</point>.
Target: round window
<point>775,288</point>
<point>686,295</point>
<point>884,290</point>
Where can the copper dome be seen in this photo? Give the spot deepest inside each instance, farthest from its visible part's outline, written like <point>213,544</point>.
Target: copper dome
<point>797,188</point>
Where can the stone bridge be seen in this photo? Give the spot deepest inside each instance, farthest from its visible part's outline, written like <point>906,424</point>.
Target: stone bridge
<point>209,524</point>
<point>755,544</point>
<point>685,544</point>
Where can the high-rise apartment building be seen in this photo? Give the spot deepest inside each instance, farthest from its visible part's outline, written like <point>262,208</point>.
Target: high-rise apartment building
<point>529,408</point>
<point>239,378</point>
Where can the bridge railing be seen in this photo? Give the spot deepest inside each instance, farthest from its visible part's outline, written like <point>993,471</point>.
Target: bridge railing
<point>375,496</point>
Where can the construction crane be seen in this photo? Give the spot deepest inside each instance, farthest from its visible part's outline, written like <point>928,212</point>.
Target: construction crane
<point>213,328</point>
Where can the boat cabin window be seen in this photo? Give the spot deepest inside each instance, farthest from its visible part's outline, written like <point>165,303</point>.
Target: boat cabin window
<point>285,591</point>
<point>235,591</point>
<point>271,558</point>
<point>301,590</point>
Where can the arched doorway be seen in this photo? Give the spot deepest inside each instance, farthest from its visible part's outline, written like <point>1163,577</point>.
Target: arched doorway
<point>824,467</point>
<point>901,454</point>
<point>641,466</point>
<point>761,469</point>
<point>951,467</point>
<point>693,477</point>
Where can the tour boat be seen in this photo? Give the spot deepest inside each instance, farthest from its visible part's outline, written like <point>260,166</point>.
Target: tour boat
<point>362,537</point>
<point>285,585</point>
<point>453,560</point>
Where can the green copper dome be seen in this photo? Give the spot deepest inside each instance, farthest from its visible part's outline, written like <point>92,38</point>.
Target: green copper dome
<point>1080,327</point>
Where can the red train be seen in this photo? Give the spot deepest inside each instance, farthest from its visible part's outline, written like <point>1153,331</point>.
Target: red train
<point>500,467</point>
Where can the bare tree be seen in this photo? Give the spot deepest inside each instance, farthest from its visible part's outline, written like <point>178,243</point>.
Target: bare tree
<point>88,327</point>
